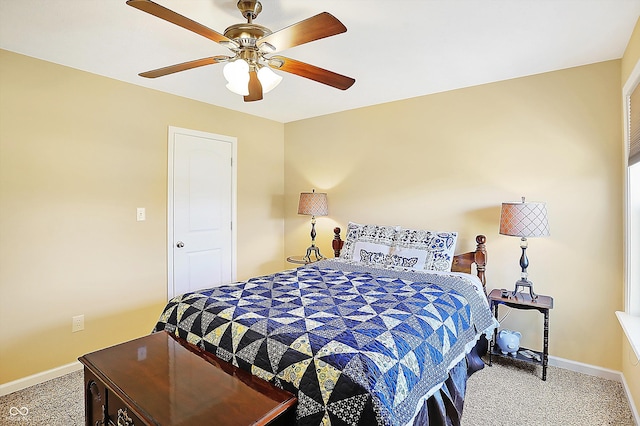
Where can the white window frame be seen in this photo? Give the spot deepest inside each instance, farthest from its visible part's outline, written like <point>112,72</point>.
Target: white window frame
<point>630,318</point>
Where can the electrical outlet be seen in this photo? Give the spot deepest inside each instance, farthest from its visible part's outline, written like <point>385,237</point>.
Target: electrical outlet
<point>77,323</point>
<point>141,214</point>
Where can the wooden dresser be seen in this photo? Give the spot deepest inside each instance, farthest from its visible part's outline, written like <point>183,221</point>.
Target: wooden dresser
<point>162,380</point>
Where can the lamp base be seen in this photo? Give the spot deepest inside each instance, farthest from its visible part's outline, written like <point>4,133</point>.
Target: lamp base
<point>525,283</point>
<point>315,250</point>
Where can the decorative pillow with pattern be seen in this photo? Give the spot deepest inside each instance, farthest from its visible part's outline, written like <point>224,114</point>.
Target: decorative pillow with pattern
<point>372,254</point>
<point>375,234</point>
<point>434,250</point>
<point>374,257</point>
<point>402,262</point>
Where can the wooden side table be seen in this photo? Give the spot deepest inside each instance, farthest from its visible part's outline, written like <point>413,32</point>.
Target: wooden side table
<point>162,380</point>
<point>300,260</point>
<point>523,301</point>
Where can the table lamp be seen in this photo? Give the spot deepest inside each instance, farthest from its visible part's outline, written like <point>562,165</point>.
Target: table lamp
<point>524,220</point>
<point>313,204</point>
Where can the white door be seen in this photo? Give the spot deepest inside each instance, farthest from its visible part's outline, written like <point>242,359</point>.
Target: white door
<point>201,210</point>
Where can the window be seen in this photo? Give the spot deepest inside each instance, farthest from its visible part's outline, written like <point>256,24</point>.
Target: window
<point>632,228</point>
<point>633,236</point>
<point>630,318</point>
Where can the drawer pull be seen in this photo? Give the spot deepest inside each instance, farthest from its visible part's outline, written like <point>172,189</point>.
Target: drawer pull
<point>123,418</point>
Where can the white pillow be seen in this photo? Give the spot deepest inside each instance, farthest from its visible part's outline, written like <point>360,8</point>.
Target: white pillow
<point>378,234</point>
<point>371,253</point>
<point>436,248</point>
<point>402,257</point>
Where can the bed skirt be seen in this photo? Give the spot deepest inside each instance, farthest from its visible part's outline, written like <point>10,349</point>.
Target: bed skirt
<point>444,408</point>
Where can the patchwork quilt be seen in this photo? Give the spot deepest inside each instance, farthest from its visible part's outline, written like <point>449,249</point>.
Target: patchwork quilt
<point>358,346</point>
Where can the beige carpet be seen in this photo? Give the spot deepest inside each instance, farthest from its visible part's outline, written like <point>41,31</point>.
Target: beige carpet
<point>57,402</point>
<point>513,393</point>
<point>499,395</point>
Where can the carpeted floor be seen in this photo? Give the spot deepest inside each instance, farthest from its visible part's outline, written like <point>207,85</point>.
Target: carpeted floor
<point>504,394</point>
<point>57,402</point>
<point>512,393</point>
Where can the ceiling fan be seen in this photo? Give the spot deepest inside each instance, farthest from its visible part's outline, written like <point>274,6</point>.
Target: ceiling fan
<point>248,71</point>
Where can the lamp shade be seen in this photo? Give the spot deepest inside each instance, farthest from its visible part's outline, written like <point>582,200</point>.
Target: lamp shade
<point>313,204</point>
<point>268,79</point>
<point>524,219</point>
<point>237,75</point>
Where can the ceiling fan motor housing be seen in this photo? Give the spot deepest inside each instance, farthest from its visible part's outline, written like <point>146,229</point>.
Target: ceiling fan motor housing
<point>246,35</point>
<point>250,9</point>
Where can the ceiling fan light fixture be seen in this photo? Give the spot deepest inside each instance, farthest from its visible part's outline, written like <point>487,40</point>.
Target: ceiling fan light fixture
<point>237,75</point>
<point>268,79</point>
<point>239,88</point>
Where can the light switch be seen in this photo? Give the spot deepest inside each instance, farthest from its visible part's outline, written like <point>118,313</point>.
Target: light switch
<point>141,214</point>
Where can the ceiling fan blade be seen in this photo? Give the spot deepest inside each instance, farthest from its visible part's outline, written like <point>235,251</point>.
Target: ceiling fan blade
<point>312,72</point>
<point>255,88</point>
<point>175,18</point>
<point>184,66</point>
<point>311,29</point>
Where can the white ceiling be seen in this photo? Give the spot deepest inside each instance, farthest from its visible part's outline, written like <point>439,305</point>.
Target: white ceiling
<point>395,49</point>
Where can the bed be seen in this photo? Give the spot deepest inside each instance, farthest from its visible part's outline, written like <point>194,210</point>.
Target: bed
<point>368,337</point>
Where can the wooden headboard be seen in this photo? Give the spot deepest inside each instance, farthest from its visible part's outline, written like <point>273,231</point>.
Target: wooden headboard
<point>461,262</point>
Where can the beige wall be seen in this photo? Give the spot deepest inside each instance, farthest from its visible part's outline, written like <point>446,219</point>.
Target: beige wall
<point>78,154</point>
<point>76,160</point>
<point>447,161</point>
<point>630,365</point>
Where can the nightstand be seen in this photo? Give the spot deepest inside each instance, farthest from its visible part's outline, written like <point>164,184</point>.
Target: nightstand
<point>523,301</point>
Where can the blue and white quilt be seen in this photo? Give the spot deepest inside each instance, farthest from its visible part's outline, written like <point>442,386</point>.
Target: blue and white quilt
<point>356,345</point>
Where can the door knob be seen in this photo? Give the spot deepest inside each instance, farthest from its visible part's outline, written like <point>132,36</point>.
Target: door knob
<point>180,244</point>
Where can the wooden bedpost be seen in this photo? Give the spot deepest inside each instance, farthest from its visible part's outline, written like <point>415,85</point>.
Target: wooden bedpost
<point>480,258</point>
<point>464,262</point>
<point>337,242</point>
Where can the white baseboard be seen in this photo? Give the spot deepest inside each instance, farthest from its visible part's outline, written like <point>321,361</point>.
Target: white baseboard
<point>583,368</point>
<point>634,410</point>
<point>38,378</point>
<point>593,370</point>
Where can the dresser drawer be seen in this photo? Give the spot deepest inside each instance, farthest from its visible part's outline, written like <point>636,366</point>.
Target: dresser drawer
<point>119,413</point>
